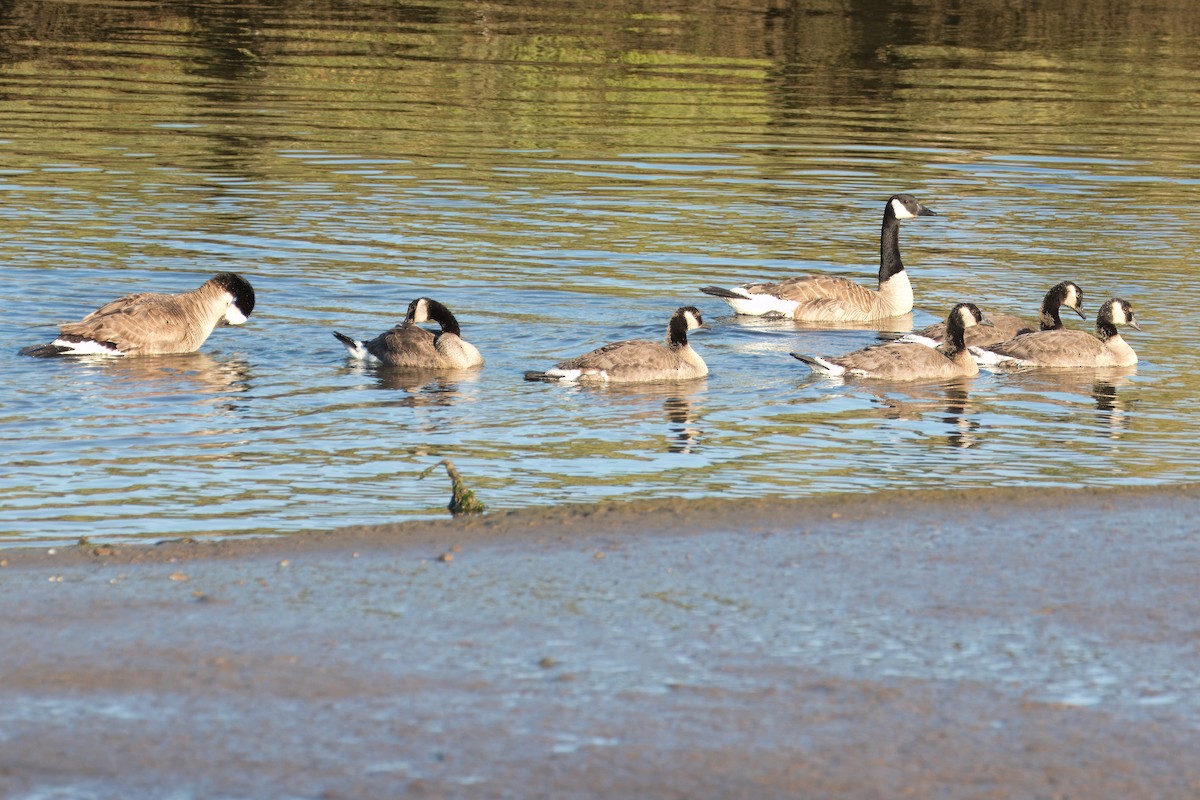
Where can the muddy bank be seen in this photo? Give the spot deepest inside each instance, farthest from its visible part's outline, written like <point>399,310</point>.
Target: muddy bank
<point>1032,644</point>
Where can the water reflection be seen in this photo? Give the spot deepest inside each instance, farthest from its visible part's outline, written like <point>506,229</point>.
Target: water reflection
<point>949,402</point>
<point>684,434</point>
<point>678,404</point>
<point>424,387</point>
<point>902,323</point>
<point>163,377</point>
<point>1107,389</point>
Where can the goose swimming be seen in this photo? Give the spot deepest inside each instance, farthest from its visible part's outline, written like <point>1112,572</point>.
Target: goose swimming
<point>410,345</point>
<point>1005,326</point>
<point>1069,348</point>
<point>831,298</point>
<point>909,361</point>
<point>637,360</point>
<point>153,324</point>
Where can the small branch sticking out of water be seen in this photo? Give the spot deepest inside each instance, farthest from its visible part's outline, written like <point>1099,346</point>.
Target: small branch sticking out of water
<point>462,501</point>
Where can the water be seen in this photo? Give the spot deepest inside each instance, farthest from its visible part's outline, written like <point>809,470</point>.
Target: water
<point>562,177</point>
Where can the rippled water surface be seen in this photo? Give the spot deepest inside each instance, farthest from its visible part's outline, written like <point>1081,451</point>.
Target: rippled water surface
<point>563,175</point>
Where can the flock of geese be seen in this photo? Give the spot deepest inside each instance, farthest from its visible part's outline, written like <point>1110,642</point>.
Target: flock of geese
<point>149,323</point>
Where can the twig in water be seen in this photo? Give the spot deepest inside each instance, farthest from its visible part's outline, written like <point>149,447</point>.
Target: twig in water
<point>462,500</point>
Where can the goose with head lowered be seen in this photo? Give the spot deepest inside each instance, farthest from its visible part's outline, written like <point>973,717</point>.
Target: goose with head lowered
<point>636,360</point>
<point>908,361</point>
<point>831,298</point>
<point>149,323</point>
<point>1005,326</point>
<point>1068,348</point>
<point>410,345</point>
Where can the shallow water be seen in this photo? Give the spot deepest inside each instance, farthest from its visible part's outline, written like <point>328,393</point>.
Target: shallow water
<point>564,176</point>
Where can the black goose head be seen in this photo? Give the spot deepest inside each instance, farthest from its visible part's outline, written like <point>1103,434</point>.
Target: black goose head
<point>1113,313</point>
<point>684,319</point>
<point>423,309</point>
<point>961,317</point>
<point>905,206</point>
<point>242,293</point>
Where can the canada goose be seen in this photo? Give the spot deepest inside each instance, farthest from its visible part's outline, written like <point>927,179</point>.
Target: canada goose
<point>830,298</point>
<point>152,324</point>
<point>1067,348</point>
<point>410,345</point>
<point>908,361</point>
<point>637,360</point>
<point>1006,326</point>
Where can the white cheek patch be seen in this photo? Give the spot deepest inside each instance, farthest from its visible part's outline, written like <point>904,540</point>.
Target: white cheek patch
<point>900,211</point>
<point>234,316</point>
<point>421,312</point>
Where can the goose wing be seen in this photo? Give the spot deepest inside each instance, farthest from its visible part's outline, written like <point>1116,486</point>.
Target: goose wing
<point>406,345</point>
<point>1062,348</point>
<point>618,355</point>
<point>146,322</point>
<point>898,361</point>
<point>813,289</point>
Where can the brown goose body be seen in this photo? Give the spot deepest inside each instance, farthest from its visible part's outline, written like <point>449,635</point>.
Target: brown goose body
<point>1068,348</point>
<point>830,298</point>
<point>636,360</point>
<point>409,345</point>
<point>155,324</point>
<point>908,361</point>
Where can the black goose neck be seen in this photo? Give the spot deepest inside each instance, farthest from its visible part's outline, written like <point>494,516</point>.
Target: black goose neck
<point>956,335</point>
<point>1050,319</point>
<point>677,330</point>
<point>889,245</point>
<point>1105,328</point>
<point>442,316</point>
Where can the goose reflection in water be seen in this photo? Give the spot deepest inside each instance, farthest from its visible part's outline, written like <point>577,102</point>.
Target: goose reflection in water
<point>1107,388</point>
<point>422,387</point>
<point>676,403</point>
<point>920,401</point>
<point>135,380</point>
<point>684,435</point>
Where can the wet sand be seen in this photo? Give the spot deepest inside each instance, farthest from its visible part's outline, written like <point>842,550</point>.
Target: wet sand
<point>928,645</point>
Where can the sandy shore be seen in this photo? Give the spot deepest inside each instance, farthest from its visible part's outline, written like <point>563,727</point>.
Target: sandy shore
<point>926,645</point>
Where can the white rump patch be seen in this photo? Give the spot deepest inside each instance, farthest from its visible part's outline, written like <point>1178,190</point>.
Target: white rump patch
<point>234,316</point>
<point>900,211</point>
<point>358,351</point>
<point>87,348</point>
<point>758,305</point>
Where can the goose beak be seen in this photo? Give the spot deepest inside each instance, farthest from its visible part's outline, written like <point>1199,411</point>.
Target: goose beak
<point>922,211</point>
<point>987,323</point>
<point>1133,324</point>
<point>1079,311</point>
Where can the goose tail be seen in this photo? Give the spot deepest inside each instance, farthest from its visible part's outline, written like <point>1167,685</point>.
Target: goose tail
<point>718,291</point>
<point>820,365</point>
<point>354,348</point>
